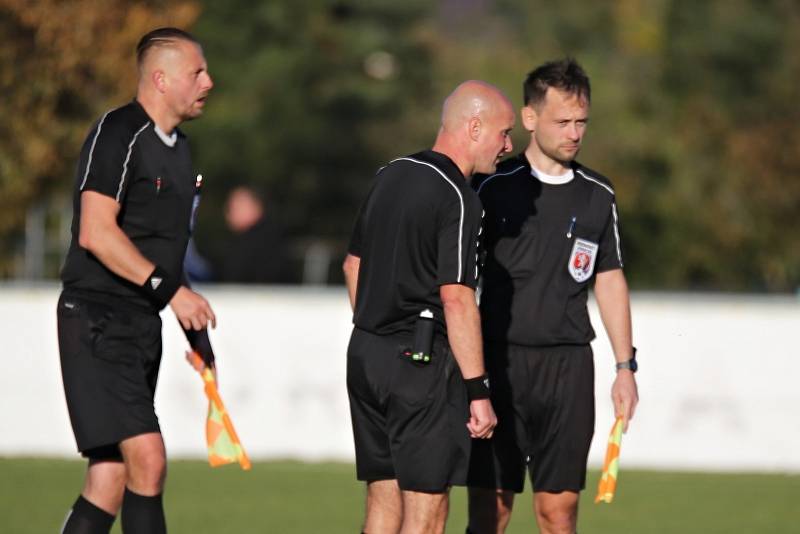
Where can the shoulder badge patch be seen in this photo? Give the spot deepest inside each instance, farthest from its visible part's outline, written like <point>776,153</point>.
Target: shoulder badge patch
<point>581,259</point>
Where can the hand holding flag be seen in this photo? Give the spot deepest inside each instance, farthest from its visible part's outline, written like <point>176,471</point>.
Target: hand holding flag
<point>224,446</point>
<point>608,479</point>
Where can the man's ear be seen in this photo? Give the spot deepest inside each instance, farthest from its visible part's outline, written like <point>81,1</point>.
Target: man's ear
<point>529,118</point>
<point>159,80</point>
<point>474,126</point>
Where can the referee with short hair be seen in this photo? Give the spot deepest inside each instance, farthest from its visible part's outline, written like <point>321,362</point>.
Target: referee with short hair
<point>552,229</point>
<point>415,355</point>
<point>134,196</point>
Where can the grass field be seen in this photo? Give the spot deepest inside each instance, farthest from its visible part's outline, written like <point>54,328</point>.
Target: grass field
<point>291,497</point>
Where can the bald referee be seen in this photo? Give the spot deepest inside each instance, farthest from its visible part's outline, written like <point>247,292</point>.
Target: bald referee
<point>412,268</point>
<point>552,231</point>
<point>133,200</point>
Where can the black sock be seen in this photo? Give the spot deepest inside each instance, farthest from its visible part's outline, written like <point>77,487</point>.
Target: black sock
<point>86,518</point>
<point>142,515</point>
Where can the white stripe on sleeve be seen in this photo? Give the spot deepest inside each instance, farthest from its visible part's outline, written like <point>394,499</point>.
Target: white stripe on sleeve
<point>127,159</point>
<point>91,150</point>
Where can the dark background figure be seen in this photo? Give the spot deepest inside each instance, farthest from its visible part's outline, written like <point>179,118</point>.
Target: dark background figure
<point>198,268</point>
<point>255,251</point>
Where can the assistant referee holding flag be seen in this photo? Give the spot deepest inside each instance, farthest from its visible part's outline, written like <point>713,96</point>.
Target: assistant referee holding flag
<point>132,207</point>
<point>552,229</point>
<point>412,269</point>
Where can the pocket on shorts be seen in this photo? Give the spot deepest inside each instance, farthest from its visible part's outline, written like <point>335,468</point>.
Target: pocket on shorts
<point>112,335</point>
<point>415,383</point>
<point>68,307</point>
<point>71,334</point>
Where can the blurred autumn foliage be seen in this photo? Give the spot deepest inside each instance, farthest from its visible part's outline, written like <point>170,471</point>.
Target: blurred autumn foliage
<point>694,114</point>
<point>61,64</point>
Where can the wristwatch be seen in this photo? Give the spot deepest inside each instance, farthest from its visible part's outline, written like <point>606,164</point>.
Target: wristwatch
<point>630,364</point>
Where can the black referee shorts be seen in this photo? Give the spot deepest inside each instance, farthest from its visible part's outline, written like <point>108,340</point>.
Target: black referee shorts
<point>109,364</point>
<point>544,401</point>
<point>409,418</point>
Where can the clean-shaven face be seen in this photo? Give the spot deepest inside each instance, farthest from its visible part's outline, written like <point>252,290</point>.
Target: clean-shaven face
<point>495,138</point>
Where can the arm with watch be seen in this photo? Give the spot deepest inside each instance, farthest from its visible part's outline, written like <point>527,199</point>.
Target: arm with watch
<point>613,300</point>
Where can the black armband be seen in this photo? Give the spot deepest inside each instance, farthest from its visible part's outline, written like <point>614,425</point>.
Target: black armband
<point>160,287</point>
<point>478,387</point>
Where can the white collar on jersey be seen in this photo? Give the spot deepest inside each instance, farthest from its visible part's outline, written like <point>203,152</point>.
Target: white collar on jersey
<point>550,179</point>
<point>168,140</point>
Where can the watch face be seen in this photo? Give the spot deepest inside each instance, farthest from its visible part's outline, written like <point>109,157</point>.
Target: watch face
<point>634,365</point>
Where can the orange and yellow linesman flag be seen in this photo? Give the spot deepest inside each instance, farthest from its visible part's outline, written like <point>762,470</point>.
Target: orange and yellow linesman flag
<point>224,446</point>
<point>608,480</point>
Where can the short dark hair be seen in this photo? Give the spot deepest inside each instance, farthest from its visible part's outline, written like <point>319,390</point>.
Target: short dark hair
<point>563,74</point>
<point>160,37</point>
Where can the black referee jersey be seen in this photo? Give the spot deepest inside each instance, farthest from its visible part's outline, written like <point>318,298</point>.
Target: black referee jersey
<point>417,230</point>
<point>545,241</point>
<point>127,158</point>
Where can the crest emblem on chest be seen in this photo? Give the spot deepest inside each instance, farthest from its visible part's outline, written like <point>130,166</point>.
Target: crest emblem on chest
<point>582,260</point>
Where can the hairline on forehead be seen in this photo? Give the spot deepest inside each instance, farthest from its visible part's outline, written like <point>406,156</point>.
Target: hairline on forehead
<point>582,99</point>
<point>564,75</point>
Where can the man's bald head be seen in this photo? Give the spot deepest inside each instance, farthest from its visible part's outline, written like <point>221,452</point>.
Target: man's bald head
<point>477,119</point>
<point>158,41</point>
<point>472,99</point>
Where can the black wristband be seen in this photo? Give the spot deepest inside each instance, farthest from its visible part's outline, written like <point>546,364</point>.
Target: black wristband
<point>477,388</point>
<point>160,287</point>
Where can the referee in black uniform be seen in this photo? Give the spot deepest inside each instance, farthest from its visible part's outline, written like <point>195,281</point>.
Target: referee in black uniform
<point>133,201</point>
<point>551,230</point>
<point>413,266</point>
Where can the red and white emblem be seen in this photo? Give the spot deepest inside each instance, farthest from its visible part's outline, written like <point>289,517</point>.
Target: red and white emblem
<point>581,260</point>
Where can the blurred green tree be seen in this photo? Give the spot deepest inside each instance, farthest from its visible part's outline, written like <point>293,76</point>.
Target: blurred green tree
<point>693,112</point>
<point>311,98</point>
<point>693,118</point>
<point>729,73</point>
